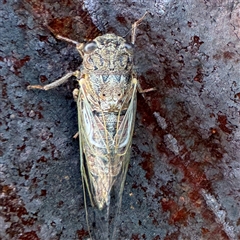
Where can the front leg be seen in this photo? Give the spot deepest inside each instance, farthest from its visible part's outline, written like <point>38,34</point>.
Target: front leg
<point>140,90</point>
<point>75,94</point>
<point>134,27</point>
<point>56,83</point>
<point>143,91</point>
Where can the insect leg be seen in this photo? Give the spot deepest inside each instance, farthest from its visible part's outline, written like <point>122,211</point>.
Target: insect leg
<point>135,25</point>
<point>76,135</point>
<point>143,91</point>
<point>79,46</point>
<point>75,94</point>
<point>61,37</point>
<point>55,83</point>
<point>66,39</point>
<point>140,90</point>
<point>75,97</point>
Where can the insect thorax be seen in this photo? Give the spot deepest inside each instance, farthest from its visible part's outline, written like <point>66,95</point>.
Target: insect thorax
<point>110,90</point>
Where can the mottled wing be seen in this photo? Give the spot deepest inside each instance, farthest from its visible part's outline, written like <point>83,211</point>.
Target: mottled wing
<point>105,143</point>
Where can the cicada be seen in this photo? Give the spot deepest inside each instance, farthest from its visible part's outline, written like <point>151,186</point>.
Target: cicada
<point>106,103</point>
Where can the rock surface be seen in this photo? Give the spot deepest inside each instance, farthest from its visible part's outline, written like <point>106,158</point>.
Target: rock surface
<point>183,179</point>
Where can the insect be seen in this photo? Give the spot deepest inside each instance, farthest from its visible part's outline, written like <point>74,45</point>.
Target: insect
<point>106,103</point>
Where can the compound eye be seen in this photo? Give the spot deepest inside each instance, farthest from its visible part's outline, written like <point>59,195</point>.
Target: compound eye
<point>90,47</point>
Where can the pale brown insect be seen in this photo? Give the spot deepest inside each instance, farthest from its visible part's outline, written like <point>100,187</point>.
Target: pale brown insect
<point>106,102</point>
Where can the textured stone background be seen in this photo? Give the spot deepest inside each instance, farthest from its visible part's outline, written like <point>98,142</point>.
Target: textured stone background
<point>183,180</point>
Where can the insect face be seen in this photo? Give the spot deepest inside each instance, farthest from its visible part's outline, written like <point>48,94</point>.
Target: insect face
<point>108,54</point>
